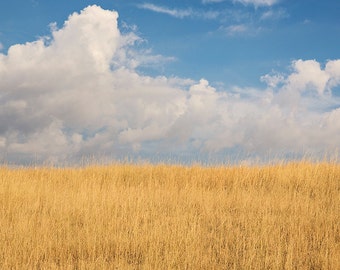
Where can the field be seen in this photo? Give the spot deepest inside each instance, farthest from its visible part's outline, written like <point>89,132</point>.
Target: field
<point>283,216</point>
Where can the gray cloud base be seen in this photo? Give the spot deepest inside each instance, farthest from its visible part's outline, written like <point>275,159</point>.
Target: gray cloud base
<point>78,94</point>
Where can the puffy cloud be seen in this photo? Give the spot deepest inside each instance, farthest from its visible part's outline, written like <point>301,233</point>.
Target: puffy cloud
<point>272,80</point>
<point>78,94</point>
<point>308,75</point>
<point>333,70</point>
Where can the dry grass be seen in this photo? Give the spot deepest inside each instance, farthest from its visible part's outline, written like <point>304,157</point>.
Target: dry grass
<point>171,217</point>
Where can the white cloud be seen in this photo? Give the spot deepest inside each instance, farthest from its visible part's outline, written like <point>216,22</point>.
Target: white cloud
<point>258,3</point>
<point>79,94</point>
<point>236,29</point>
<point>307,76</point>
<point>333,70</point>
<point>274,14</point>
<point>272,80</point>
<point>181,13</point>
<point>178,13</point>
<point>212,1</point>
<point>240,30</point>
<point>1,46</point>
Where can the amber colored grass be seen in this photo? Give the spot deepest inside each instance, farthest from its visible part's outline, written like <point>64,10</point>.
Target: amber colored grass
<point>171,217</point>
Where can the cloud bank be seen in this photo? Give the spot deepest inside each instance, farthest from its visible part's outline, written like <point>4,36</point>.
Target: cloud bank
<point>78,94</point>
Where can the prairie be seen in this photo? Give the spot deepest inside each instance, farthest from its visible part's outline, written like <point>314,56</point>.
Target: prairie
<point>122,216</point>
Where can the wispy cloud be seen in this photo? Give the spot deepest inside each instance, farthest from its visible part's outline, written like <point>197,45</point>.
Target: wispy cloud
<point>212,1</point>
<point>34,3</point>
<point>210,15</point>
<point>274,14</point>
<point>181,13</point>
<point>236,30</point>
<point>257,3</point>
<point>178,13</point>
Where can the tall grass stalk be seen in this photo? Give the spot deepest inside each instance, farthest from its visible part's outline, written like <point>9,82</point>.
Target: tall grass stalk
<point>171,217</point>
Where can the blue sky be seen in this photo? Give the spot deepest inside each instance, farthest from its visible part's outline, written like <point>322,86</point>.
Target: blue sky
<point>179,79</point>
<point>223,41</point>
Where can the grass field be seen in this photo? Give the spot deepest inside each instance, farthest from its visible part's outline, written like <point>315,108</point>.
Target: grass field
<point>171,217</point>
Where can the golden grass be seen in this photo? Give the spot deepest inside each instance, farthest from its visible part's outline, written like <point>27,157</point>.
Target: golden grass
<point>171,217</point>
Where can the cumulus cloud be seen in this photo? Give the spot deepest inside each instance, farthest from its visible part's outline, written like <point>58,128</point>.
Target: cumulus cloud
<point>78,93</point>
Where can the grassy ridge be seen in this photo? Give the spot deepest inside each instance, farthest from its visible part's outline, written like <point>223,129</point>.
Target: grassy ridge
<point>171,217</point>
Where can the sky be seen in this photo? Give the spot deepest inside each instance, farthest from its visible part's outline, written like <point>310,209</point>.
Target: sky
<point>210,81</point>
